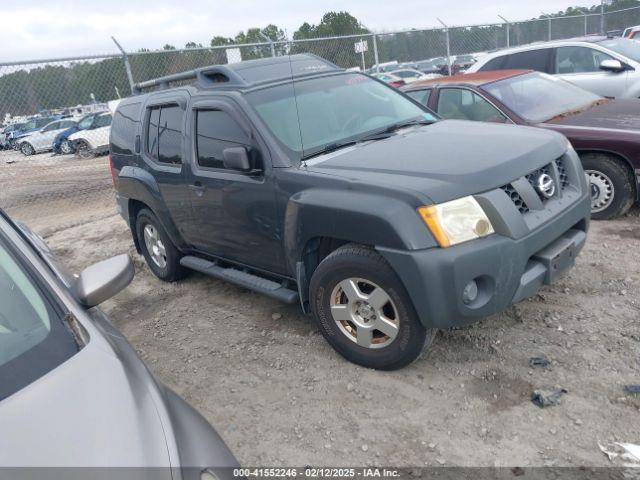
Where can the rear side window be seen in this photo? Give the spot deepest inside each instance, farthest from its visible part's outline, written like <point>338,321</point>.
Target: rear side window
<point>531,60</point>
<point>493,64</point>
<point>164,134</point>
<point>421,96</point>
<point>215,131</point>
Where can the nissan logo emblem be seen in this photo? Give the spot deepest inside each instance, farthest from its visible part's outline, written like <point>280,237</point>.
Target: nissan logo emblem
<point>545,185</point>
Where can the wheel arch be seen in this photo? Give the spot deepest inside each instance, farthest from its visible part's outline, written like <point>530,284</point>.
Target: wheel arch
<point>141,190</point>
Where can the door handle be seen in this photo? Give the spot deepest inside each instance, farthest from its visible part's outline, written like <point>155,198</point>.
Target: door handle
<point>198,188</point>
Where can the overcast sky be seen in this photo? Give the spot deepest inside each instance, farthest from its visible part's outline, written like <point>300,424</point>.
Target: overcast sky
<point>34,29</point>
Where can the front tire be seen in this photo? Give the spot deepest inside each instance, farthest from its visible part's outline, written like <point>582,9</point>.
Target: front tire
<point>65,147</point>
<point>27,149</point>
<point>364,311</point>
<point>611,184</point>
<point>162,257</point>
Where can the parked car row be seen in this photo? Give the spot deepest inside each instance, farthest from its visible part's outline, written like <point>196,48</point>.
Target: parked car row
<point>85,136</point>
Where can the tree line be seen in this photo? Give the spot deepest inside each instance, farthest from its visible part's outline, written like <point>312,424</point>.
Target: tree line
<point>28,89</point>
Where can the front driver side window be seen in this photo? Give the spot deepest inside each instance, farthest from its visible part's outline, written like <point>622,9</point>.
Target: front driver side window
<point>215,131</point>
<point>579,60</point>
<point>463,104</point>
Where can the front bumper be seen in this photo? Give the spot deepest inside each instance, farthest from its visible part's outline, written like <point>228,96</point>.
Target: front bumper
<point>505,270</point>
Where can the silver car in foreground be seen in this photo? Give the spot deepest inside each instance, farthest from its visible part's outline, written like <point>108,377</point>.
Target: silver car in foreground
<point>74,396</point>
<point>609,67</point>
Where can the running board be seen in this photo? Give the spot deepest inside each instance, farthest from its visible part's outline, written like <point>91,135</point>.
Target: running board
<point>243,279</point>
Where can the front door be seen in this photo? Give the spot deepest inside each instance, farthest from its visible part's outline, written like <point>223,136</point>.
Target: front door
<point>234,212</point>
<point>581,66</point>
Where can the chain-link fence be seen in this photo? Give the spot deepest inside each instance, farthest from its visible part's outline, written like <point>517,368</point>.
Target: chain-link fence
<point>54,114</point>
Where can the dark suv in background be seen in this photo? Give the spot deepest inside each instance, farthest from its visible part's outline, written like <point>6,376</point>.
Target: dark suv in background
<point>294,178</point>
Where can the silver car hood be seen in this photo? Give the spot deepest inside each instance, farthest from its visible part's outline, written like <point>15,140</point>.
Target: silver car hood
<point>88,419</point>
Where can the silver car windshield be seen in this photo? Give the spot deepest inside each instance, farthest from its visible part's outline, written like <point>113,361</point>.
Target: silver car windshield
<point>310,115</point>
<point>537,97</point>
<point>33,339</point>
<point>624,47</point>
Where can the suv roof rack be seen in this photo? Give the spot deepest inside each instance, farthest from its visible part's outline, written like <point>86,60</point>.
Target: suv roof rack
<point>245,74</point>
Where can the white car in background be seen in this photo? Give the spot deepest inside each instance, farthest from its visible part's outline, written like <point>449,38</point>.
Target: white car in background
<point>410,75</point>
<point>609,67</point>
<point>95,139</point>
<point>42,140</point>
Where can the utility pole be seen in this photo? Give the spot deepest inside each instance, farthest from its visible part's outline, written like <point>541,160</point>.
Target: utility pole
<point>508,28</point>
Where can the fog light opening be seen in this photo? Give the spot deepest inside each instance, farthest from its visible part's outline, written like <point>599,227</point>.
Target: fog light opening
<point>470,292</point>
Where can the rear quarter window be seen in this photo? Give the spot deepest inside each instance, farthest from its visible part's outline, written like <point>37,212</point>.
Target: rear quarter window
<point>124,128</point>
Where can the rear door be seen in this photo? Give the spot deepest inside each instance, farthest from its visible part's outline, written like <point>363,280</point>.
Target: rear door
<point>234,212</point>
<point>162,148</point>
<point>44,138</point>
<point>581,66</point>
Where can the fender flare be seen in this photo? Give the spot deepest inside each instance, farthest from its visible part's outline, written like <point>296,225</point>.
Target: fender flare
<point>351,216</point>
<point>135,183</point>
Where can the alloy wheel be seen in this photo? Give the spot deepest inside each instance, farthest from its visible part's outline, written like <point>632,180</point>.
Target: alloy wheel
<point>364,313</point>
<point>154,245</point>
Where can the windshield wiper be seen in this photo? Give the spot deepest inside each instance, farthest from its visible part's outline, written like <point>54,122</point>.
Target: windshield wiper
<point>387,131</point>
<point>332,147</point>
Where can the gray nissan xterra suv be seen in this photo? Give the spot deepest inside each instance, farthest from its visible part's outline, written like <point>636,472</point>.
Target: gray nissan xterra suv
<point>294,178</point>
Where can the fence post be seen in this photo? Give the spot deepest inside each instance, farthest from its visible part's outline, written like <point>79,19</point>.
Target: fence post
<point>127,65</point>
<point>446,32</point>
<point>506,22</point>
<point>602,17</point>
<point>375,52</point>
<point>267,39</point>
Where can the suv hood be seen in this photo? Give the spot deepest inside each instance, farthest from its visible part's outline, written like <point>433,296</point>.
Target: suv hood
<point>620,114</point>
<point>446,160</point>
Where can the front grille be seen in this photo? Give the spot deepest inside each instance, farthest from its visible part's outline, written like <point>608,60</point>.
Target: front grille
<point>562,180</point>
<point>515,198</point>
<point>562,173</point>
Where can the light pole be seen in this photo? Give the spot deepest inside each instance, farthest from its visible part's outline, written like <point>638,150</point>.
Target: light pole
<point>508,28</point>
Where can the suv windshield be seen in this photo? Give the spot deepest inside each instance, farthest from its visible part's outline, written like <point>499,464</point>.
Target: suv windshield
<point>310,115</point>
<point>537,97</point>
<point>623,46</point>
<point>33,339</point>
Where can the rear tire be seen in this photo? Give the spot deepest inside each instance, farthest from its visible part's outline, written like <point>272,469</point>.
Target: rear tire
<point>162,257</point>
<point>612,187</point>
<point>353,292</point>
<point>83,149</point>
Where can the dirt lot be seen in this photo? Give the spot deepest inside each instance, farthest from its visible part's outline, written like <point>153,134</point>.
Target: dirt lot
<point>278,394</point>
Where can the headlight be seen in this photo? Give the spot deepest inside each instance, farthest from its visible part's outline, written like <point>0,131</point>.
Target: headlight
<point>456,221</point>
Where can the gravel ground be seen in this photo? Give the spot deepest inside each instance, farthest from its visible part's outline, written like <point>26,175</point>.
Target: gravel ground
<point>262,374</point>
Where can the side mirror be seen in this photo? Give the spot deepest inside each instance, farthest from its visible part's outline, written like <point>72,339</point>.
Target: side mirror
<point>612,65</point>
<point>236,158</point>
<point>103,280</point>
